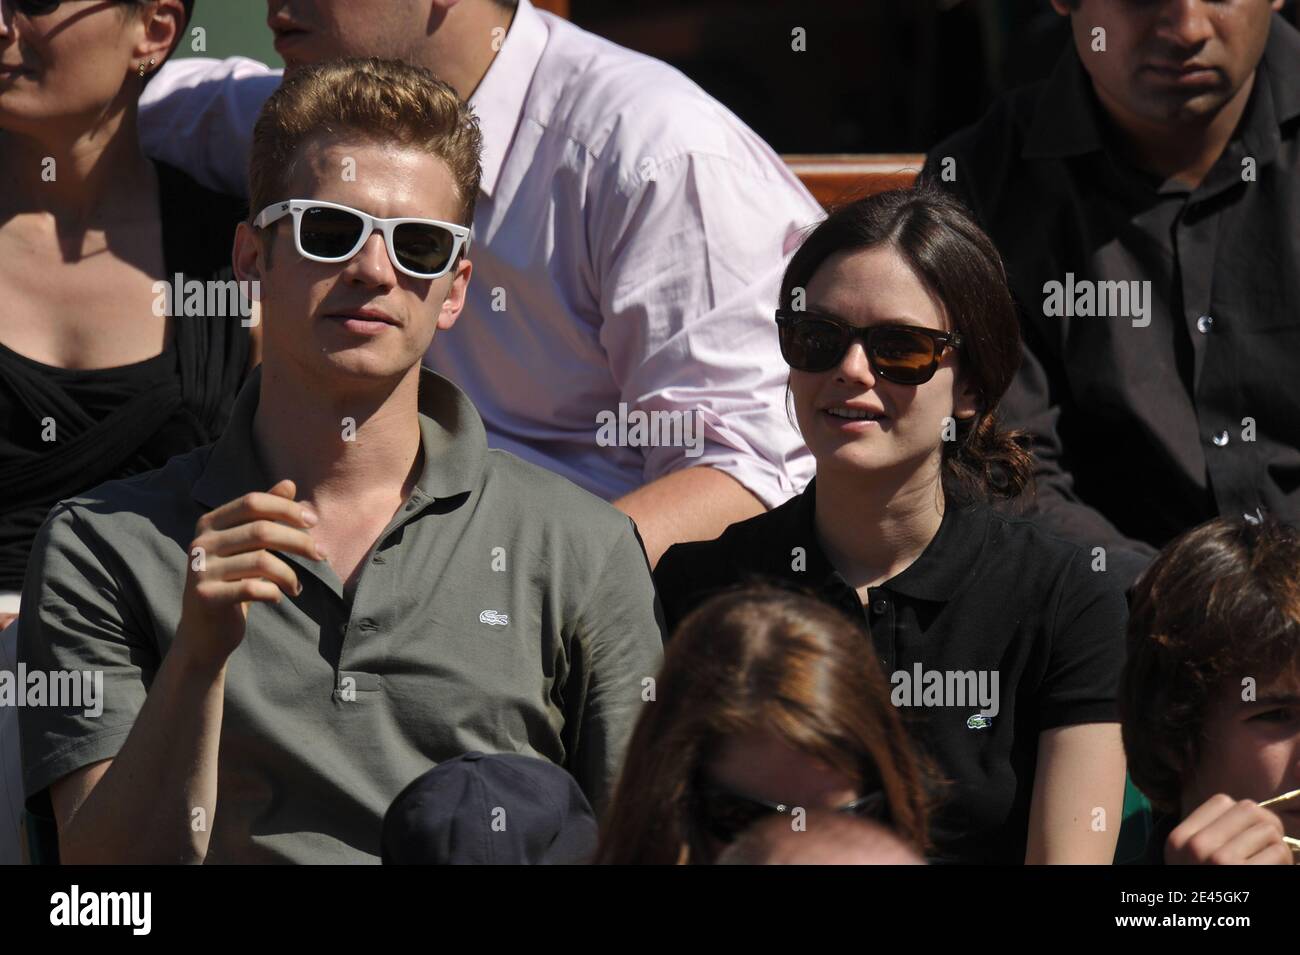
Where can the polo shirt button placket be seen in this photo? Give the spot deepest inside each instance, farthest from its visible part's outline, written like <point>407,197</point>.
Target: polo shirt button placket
<point>879,608</point>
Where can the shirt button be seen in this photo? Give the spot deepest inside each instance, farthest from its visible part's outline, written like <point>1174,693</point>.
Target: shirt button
<point>1204,324</point>
<point>1220,439</point>
<point>378,559</point>
<point>880,606</point>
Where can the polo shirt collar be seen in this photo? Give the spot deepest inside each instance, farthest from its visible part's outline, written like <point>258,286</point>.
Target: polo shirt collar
<point>937,575</point>
<point>499,99</point>
<point>948,560</point>
<point>452,437</point>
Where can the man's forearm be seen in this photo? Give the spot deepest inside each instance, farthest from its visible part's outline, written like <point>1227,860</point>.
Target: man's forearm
<point>143,810</point>
<point>697,503</point>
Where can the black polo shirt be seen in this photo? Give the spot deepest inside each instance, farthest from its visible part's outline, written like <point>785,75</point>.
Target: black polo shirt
<point>988,594</point>
<point>1142,432</point>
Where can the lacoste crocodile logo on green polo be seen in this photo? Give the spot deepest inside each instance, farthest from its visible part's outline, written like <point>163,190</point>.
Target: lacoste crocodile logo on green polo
<point>494,617</point>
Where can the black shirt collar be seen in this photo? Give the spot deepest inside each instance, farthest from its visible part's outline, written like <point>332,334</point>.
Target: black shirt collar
<point>1068,119</point>
<point>937,575</point>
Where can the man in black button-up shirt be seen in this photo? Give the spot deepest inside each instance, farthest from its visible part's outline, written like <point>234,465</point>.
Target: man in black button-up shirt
<point>1168,161</point>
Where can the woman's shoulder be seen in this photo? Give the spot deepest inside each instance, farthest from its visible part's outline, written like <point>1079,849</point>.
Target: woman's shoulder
<point>743,544</point>
<point>1067,575</point>
<point>1028,540</point>
<point>749,550</point>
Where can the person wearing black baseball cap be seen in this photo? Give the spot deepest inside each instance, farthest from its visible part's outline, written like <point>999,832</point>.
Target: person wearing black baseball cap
<point>501,809</point>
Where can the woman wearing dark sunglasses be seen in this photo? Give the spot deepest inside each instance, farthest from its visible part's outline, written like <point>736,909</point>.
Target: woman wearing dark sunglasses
<point>97,379</point>
<point>1004,644</point>
<point>765,707</point>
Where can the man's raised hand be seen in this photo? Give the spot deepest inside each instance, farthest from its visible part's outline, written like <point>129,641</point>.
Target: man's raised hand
<point>231,565</point>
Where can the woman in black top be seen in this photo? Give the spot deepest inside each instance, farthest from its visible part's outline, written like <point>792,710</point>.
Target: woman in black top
<point>97,380</point>
<point>1004,645</point>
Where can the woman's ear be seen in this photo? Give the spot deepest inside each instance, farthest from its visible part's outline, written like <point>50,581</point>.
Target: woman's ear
<point>966,398</point>
<point>164,24</point>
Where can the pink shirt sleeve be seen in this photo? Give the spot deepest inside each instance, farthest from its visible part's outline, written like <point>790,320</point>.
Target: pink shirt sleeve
<point>198,115</point>
<point>690,263</point>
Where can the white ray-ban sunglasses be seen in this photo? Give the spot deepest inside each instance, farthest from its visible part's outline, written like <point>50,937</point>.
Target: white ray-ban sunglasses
<point>328,232</point>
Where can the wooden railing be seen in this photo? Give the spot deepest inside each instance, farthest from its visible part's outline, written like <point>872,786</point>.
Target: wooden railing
<point>834,178</point>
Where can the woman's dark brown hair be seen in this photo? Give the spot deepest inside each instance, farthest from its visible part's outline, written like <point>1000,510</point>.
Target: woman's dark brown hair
<point>758,660</point>
<point>1220,603</point>
<point>957,263</point>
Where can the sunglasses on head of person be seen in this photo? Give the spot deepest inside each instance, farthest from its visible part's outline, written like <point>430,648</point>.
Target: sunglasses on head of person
<point>903,354</point>
<point>725,815</point>
<point>329,232</point>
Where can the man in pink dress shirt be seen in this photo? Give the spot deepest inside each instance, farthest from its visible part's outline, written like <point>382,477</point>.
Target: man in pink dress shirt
<point>628,242</point>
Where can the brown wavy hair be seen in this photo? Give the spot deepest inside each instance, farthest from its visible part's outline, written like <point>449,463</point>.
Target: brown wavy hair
<point>759,660</point>
<point>1219,603</point>
<point>958,263</point>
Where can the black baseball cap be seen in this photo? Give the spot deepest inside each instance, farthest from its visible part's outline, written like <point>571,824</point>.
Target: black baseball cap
<point>478,809</point>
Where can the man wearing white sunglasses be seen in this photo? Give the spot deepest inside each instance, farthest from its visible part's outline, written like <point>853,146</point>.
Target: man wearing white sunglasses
<point>420,248</point>
<point>349,586</point>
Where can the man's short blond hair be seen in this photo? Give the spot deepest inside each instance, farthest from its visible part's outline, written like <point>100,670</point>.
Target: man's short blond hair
<point>380,101</point>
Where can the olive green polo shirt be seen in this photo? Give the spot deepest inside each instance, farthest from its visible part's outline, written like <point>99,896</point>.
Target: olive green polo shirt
<point>503,609</point>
